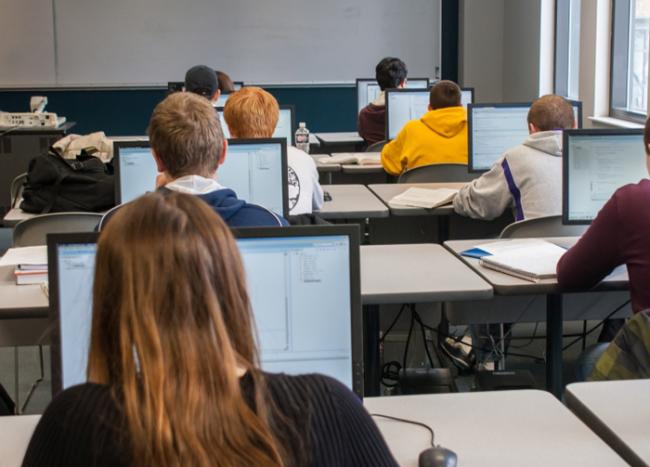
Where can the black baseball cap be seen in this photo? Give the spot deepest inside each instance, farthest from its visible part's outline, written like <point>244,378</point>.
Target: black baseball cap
<point>202,80</point>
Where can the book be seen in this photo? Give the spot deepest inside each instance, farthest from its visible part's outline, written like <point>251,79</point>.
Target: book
<point>532,260</point>
<point>359,158</point>
<point>423,197</point>
<point>30,277</point>
<point>30,256</point>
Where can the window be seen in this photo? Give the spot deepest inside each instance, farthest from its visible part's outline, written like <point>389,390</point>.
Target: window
<point>567,47</point>
<point>630,35</point>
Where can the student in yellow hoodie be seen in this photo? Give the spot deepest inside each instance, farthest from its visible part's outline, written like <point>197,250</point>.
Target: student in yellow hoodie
<point>439,137</point>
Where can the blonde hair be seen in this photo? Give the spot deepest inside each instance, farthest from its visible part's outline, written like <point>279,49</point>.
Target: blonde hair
<point>551,112</point>
<point>185,133</point>
<point>172,324</point>
<point>251,112</point>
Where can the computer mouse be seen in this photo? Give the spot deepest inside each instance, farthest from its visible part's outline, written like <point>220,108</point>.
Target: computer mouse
<point>437,457</point>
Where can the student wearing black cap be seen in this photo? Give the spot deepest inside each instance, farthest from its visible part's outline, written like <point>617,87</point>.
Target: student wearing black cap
<point>202,80</point>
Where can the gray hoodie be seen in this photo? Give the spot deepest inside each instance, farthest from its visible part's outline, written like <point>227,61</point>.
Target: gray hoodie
<point>527,178</point>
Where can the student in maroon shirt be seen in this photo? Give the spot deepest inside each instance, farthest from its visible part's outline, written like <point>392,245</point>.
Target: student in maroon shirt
<point>390,74</point>
<point>620,234</point>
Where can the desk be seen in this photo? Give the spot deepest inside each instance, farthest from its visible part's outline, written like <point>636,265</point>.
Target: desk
<point>15,215</point>
<point>15,433</point>
<point>347,137</point>
<point>505,428</point>
<point>387,191</point>
<point>505,284</point>
<point>409,274</point>
<point>20,301</point>
<point>618,412</point>
<point>351,202</point>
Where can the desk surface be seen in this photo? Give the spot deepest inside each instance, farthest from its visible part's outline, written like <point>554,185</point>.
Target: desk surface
<point>619,412</point>
<point>15,432</point>
<point>505,428</point>
<point>352,202</point>
<point>387,191</point>
<point>20,301</point>
<point>416,274</point>
<point>339,137</point>
<point>15,215</point>
<point>505,284</point>
<point>325,167</point>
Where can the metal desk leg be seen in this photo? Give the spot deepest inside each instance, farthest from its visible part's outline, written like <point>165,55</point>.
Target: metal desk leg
<point>371,350</point>
<point>554,322</point>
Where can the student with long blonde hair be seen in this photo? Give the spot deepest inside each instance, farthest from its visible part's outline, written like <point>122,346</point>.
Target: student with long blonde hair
<point>173,370</point>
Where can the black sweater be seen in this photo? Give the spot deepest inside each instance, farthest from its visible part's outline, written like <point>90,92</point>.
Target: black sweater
<point>80,426</point>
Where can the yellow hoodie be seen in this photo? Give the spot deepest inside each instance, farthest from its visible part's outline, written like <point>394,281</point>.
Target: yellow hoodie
<point>439,137</point>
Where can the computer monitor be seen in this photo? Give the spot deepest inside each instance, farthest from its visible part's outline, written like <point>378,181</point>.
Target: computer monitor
<point>135,170</point>
<point>368,89</point>
<point>237,85</point>
<point>175,86</point>
<point>223,98</point>
<point>286,127</point>
<point>403,105</point>
<point>256,169</point>
<point>595,164</point>
<point>495,128</point>
<point>303,283</point>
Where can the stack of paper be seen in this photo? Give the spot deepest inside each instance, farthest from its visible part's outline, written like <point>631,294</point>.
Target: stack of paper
<point>423,198</point>
<point>529,259</point>
<point>30,264</point>
<point>359,158</point>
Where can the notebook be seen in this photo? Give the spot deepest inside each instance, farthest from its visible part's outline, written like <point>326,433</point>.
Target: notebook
<point>359,158</point>
<point>534,260</point>
<point>424,197</point>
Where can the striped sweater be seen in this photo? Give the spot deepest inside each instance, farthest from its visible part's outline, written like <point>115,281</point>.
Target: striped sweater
<point>82,426</point>
<point>527,179</point>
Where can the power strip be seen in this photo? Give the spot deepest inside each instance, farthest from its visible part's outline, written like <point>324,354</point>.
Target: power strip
<point>30,120</point>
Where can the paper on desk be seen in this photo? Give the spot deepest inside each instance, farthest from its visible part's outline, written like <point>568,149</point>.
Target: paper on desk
<point>29,255</point>
<point>360,158</point>
<point>529,260</point>
<point>424,197</point>
<point>503,246</point>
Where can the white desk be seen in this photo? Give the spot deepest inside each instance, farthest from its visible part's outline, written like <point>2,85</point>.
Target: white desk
<point>15,215</point>
<point>505,284</point>
<point>347,137</point>
<point>20,301</point>
<point>387,191</point>
<point>15,433</point>
<point>619,412</point>
<point>506,428</point>
<point>352,202</point>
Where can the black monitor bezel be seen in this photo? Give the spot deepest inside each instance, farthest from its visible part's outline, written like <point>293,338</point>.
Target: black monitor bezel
<point>175,86</point>
<point>356,315</point>
<point>53,242</point>
<point>366,80</point>
<point>117,178</point>
<point>565,163</point>
<point>284,162</point>
<point>238,83</point>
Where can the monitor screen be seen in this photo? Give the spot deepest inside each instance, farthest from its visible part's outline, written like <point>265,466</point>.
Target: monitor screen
<point>368,89</point>
<point>303,286</point>
<point>405,105</point>
<point>221,102</point>
<point>256,169</point>
<point>284,128</point>
<point>237,85</point>
<point>495,128</point>
<point>300,295</point>
<point>596,164</point>
<point>75,268</point>
<point>135,170</point>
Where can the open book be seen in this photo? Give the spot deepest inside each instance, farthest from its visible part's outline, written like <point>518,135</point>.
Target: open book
<point>423,197</point>
<point>359,158</point>
<point>532,260</point>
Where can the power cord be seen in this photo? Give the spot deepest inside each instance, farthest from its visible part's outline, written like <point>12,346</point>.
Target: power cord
<point>596,326</point>
<point>411,422</point>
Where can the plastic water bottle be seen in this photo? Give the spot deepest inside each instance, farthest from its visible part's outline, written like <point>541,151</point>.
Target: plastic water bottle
<point>302,137</point>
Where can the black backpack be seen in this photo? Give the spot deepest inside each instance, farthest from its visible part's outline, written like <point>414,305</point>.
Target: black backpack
<point>55,184</point>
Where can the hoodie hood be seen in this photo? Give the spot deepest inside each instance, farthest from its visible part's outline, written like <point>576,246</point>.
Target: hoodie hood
<point>549,142</point>
<point>224,201</point>
<point>447,122</point>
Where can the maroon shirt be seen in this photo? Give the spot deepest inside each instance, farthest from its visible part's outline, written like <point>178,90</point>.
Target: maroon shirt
<point>620,234</point>
<point>372,123</point>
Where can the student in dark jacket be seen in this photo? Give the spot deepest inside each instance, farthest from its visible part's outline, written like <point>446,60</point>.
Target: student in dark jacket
<point>188,145</point>
<point>173,369</point>
<point>390,74</point>
<point>618,235</point>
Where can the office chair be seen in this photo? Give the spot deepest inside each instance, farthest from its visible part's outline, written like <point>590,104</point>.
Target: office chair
<point>377,147</point>
<point>31,232</point>
<point>16,189</point>
<point>440,173</point>
<point>550,226</point>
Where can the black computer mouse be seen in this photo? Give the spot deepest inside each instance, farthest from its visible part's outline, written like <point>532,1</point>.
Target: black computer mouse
<point>437,457</point>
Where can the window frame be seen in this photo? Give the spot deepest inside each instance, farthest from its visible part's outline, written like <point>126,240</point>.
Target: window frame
<point>562,50</point>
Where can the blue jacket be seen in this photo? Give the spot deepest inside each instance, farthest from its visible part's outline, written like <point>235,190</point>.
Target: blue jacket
<point>235,212</point>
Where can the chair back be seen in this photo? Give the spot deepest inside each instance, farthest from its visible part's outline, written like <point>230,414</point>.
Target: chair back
<point>437,173</point>
<point>16,189</point>
<point>550,226</point>
<point>377,147</point>
<point>32,232</point>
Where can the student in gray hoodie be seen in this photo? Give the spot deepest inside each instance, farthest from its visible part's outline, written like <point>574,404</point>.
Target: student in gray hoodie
<point>527,178</point>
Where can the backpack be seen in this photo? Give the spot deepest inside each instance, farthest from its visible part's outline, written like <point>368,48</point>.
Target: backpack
<point>55,184</point>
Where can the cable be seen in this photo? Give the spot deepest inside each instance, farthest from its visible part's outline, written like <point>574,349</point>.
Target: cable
<point>412,422</point>
<point>596,326</point>
<point>408,340</point>
<point>9,130</point>
<point>424,337</point>
<point>530,341</point>
<point>390,328</point>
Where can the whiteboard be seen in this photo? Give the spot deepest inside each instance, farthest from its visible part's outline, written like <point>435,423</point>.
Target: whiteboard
<point>145,42</point>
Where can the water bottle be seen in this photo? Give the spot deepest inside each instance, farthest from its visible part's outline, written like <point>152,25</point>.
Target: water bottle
<point>302,137</point>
